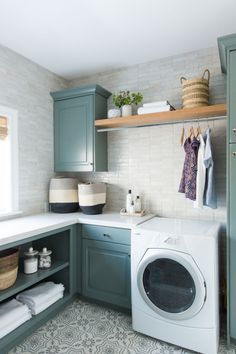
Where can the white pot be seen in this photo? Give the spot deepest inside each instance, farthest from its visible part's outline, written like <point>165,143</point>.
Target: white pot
<point>114,113</point>
<point>126,110</point>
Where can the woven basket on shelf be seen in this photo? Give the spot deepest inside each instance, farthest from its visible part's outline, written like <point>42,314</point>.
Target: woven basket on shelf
<point>9,260</point>
<point>195,92</point>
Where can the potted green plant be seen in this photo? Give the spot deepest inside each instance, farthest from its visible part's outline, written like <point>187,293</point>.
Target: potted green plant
<point>125,99</point>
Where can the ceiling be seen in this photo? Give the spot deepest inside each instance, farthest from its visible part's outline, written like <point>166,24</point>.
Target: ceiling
<point>74,38</point>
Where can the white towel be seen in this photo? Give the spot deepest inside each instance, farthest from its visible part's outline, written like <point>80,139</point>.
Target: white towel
<point>37,309</point>
<point>40,294</point>
<point>145,110</point>
<point>156,104</point>
<point>10,327</point>
<point>12,311</point>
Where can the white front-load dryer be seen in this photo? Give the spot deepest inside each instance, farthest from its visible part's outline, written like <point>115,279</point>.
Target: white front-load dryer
<point>174,271</point>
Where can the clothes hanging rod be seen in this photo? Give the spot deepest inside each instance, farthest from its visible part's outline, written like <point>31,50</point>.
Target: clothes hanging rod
<point>195,120</point>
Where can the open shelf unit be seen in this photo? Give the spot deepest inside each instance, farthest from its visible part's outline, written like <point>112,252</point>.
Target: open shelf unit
<point>63,243</point>
<point>170,117</point>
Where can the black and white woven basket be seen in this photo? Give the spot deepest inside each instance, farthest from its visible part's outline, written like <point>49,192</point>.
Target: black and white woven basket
<point>92,197</point>
<point>63,195</point>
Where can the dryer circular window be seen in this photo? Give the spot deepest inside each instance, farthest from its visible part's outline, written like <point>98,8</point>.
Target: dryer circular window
<point>171,284</point>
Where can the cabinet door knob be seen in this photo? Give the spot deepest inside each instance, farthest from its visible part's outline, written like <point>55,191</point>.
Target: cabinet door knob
<point>234,130</point>
<point>234,154</point>
<point>107,235</point>
<point>90,163</point>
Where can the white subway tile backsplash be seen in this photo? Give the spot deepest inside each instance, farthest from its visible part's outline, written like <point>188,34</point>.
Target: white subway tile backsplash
<point>150,160</point>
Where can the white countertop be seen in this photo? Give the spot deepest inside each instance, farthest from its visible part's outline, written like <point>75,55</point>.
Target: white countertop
<point>24,227</point>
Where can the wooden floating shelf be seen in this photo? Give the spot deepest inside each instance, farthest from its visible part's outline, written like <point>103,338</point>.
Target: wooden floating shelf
<point>179,115</point>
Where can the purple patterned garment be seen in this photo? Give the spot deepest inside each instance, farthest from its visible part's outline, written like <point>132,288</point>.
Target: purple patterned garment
<point>189,174</point>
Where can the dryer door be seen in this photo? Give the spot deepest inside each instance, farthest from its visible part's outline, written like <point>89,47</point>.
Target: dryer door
<point>171,284</point>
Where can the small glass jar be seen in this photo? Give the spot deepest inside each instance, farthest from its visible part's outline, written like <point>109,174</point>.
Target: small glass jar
<point>31,261</point>
<point>45,260</point>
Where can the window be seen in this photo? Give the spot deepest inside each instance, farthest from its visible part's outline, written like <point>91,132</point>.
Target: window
<point>8,162</point>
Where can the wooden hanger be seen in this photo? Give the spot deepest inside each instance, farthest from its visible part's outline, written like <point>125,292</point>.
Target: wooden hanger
<point>198,131</point>
<point>182,136</point>
<point>191,132</point>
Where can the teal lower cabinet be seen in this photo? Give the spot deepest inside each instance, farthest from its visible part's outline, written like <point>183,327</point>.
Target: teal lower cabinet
<point>63,243</point>
<point>90,260</point>
<point>106,267</point>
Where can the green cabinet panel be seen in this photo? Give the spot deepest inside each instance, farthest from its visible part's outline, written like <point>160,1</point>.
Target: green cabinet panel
<point>73,127</point>
<point>106,272</point>
<point>77,145</point>
<point>232,240</point>
<point>227,51</point>
<point>108,234</point>
<point>232,96</point>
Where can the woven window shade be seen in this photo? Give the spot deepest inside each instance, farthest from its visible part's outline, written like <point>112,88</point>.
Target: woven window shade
<point>3,128</point>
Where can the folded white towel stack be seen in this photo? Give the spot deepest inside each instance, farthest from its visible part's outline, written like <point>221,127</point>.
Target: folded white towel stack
<point>155,107</point>
<point>41,296</point>
<point>12,314</point>
<point>156,104</point>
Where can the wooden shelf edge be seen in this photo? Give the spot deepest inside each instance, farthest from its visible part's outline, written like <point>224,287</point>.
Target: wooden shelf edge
<point>179,115</point>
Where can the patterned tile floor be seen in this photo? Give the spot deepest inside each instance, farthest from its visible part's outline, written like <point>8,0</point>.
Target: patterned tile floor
<point>84,328</point>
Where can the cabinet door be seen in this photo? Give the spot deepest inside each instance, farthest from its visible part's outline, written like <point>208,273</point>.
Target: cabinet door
<point>232,239</point>
<point>73,134</point>
<point>106,272</point>
<point>232,96</point>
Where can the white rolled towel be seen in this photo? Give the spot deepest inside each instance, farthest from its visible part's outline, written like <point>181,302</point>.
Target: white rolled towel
<point>12,314</point>
<point>156,103</point>
<point>40,294</point>
<point>37,309</point>
<point>145,110</point>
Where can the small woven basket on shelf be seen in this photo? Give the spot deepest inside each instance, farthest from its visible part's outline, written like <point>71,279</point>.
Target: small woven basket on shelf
<point>9,260</point>
<point>195,92</point>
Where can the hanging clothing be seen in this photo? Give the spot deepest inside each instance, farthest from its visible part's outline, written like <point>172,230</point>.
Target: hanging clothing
<point>201,174</point>
<point>189,174</point>
<point>210,190</point>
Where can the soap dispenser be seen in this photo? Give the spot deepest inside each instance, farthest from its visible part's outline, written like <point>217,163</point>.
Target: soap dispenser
<point>128,201</point>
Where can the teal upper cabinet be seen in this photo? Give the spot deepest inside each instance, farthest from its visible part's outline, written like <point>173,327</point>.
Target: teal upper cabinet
<point>77,145</point>
<point>227,51</point>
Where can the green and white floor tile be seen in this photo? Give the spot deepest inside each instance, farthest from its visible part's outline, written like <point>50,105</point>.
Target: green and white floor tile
<point>85,328</point>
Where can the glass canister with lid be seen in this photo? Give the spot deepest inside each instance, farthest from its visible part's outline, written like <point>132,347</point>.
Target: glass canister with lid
<point>31,261</point>
<point>45,260</point>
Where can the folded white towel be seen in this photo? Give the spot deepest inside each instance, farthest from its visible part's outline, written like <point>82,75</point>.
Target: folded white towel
<point>144,110</point>
<point>10,312</point>
<point>10,327</point>
<point>40,294</point>
<point>37,309</point>
<point>156,103</point>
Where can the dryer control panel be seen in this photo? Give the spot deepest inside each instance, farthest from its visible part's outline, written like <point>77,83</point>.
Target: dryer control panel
<point>158,240</point>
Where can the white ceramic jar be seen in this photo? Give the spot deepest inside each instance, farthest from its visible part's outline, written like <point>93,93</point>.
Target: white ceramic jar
<point>45,260</point>
<point>31,261</point>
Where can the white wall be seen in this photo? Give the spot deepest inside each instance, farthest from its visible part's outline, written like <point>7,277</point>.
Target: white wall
<point>25,86</point>
<point>149,160</point>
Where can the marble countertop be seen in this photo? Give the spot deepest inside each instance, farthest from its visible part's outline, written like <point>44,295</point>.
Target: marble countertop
<point>23,227</point>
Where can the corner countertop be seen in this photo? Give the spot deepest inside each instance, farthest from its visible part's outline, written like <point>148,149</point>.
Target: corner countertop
<point>23,227</point>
